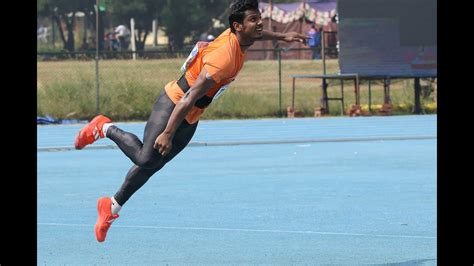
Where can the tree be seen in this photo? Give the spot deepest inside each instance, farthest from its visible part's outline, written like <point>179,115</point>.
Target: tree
<point>142,11</point>
<point>183,18</point>
<point>180,18</point>
<point>64,11</point>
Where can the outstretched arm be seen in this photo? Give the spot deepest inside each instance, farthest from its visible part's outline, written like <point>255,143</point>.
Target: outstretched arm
<point>163,142</point>
<point>287,37</point>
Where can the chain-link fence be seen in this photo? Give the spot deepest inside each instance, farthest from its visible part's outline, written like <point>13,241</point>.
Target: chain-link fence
<point>67,83</point>
<point>68,86</point>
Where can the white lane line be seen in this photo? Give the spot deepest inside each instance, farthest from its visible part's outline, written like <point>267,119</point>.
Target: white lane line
<point>243,230</point>
<point>258,142</point>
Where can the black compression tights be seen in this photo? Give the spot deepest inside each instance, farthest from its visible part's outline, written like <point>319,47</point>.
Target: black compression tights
<point>147,159</point>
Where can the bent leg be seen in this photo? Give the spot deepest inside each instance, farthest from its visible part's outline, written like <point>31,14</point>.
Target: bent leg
<point>143,154</point>
<point>137,176</point>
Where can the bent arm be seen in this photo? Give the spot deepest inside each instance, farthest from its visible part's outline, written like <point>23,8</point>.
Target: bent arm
<point>182,108</point>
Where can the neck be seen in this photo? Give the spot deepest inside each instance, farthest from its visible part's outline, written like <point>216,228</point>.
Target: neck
<point>243,42</point>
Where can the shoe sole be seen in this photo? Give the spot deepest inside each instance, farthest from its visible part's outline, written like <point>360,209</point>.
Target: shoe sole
<point>97,228</point>
<point>76,141</point>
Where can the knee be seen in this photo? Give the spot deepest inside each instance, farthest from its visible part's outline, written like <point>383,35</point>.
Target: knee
<point>149,162</point>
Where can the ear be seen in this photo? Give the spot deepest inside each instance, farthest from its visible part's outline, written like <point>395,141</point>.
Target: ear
<point>237,26</point>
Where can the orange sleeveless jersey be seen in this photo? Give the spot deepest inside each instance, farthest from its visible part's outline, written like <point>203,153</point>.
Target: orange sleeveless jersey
<point>222,59</point>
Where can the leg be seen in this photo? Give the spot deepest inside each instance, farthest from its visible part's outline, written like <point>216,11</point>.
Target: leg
<point>137,176</point>
<point>143,154</point>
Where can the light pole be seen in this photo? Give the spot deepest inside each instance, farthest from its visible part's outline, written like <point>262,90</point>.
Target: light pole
<point>97,55</point>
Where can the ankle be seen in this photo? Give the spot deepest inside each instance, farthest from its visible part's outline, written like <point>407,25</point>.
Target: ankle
<point>115,208</point>
<point>105,128</point>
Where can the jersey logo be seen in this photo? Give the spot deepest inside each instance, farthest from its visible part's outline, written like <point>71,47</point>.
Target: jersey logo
<point>192,55</point>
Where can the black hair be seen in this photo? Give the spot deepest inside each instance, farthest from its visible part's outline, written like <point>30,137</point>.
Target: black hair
<point>237,11</point>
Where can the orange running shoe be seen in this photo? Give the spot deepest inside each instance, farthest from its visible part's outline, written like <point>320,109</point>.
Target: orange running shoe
<point>105,219</point>
<point>91,132</point>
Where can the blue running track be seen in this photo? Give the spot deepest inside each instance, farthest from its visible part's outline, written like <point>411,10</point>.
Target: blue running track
<point>326,191</point>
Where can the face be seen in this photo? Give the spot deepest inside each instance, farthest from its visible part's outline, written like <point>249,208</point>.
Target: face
<point>252,25</point>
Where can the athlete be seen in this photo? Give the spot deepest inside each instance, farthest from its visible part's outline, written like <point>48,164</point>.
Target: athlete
<point>207,73</point>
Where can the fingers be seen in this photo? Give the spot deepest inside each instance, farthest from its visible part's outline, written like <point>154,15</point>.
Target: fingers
<point>302,36</point>
<point>163,149</point>
<point>298,37</point>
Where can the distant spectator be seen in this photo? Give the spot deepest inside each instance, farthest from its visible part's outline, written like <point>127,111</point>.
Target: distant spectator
<point>111,42</point>
<point>42,34</point>
<point>314,41</point>
<point>123,36</point>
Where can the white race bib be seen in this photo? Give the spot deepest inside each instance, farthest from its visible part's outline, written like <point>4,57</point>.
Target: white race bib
<point>220,91</point>
<point>192,55</point>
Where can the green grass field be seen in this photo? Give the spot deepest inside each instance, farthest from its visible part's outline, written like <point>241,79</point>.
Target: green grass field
<point>128,89</point>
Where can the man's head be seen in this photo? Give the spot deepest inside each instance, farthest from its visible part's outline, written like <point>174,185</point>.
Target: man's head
<point>245,18</point>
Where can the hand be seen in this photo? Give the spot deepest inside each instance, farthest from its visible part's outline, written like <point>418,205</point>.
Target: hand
<point>163,144</point>
<point>295,37</point>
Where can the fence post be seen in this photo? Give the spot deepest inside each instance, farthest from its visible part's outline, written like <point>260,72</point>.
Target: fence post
<point>324,98</point>
<point>132,37</point>
<point>155,33</point>
<point>97,110</point>
<point>53,29</point>
<point>323,50</point>
<point>279,80</point>
<point>417,96</point>
<point>370,97</point>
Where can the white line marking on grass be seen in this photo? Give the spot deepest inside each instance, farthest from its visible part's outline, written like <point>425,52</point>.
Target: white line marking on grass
<point>243,230</point>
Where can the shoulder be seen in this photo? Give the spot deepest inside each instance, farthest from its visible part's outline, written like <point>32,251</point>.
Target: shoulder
<point>226,44</point>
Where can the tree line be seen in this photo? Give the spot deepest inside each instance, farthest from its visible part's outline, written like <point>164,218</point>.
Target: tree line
<point>178,18</point>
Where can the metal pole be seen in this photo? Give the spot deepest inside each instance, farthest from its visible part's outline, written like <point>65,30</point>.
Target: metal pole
<point>324,98</point>
<point>293,95</point>
<point>417,96</point>
<point>132,30</point>
<point>302,25</point>
<point>270,20</point>
<point>53,40</point>
<point>279,80</point>
<point>370,97</point>
<point>342,96</point>
<point>267,55</point>
<point>323,50</point>
<point>386,86</point>
<point>325,103</point>
<point>97,54</point>
<point>357,92</point>
<point>155,32</point>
